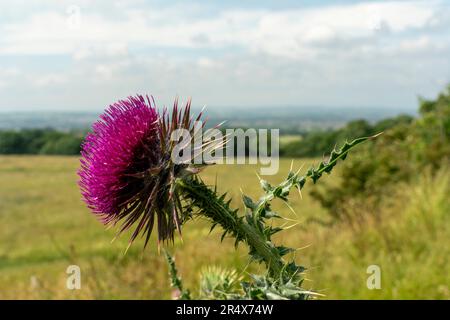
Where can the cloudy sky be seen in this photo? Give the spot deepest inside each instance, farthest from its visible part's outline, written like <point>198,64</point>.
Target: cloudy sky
<point>81,55</point>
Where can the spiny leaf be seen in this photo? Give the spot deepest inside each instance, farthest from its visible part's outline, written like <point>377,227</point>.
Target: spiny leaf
<point>265,185</point>
<point>248,202</point>
<point>282,250</point>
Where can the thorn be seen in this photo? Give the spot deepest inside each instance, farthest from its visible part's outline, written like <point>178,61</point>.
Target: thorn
<point>376,135</point>
<point>291,220</point>
<point>292,209</point>
<point>300,192</point>
<point>114,239</point>
<point>128,247</point>
<point>299,169</point>
<point>284,224</point>
<point>307,246</point>
<point>220,124</point>
<point>215,182</point>
<point>292,225</point>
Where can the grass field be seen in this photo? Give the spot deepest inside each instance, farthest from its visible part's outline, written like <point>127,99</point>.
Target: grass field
<point>44,228</point>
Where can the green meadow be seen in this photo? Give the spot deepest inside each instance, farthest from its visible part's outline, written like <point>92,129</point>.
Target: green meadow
<point>45,227</point>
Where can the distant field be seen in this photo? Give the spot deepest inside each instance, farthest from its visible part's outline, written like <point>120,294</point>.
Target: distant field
<point>286,139</point>
<point>44,227</point>
<point>294,117</point>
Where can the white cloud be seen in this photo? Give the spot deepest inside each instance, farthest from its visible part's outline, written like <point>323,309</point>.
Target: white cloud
<point>50,79</point>
<point>291,33</point>
<point>359,54</point>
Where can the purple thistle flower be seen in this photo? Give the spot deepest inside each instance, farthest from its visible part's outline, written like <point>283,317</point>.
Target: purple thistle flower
<point>126,171</point>
<point>114,149</point>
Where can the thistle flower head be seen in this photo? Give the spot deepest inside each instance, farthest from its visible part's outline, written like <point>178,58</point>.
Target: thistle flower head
<point>126,170</point>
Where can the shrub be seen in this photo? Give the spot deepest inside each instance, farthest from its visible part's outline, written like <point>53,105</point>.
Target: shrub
<point>397,156</point>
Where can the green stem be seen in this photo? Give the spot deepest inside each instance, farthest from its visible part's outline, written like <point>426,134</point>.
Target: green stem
<point>264,249</point>
<point>213,207</point>
<point>175,280</point>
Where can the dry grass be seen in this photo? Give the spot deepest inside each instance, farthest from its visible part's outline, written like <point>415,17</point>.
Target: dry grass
<point>44,228</point>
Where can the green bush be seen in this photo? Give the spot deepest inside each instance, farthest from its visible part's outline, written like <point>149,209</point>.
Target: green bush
<point>399,155</point>
<point>316,143</point>
<point>40,141</point>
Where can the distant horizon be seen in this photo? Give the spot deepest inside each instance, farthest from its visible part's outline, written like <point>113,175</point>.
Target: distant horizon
<point>224,108</point>
<point>287,117</point>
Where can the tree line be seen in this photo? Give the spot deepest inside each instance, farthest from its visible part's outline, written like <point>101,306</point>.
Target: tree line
<point>40,141</point>
<point>311,144</point>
